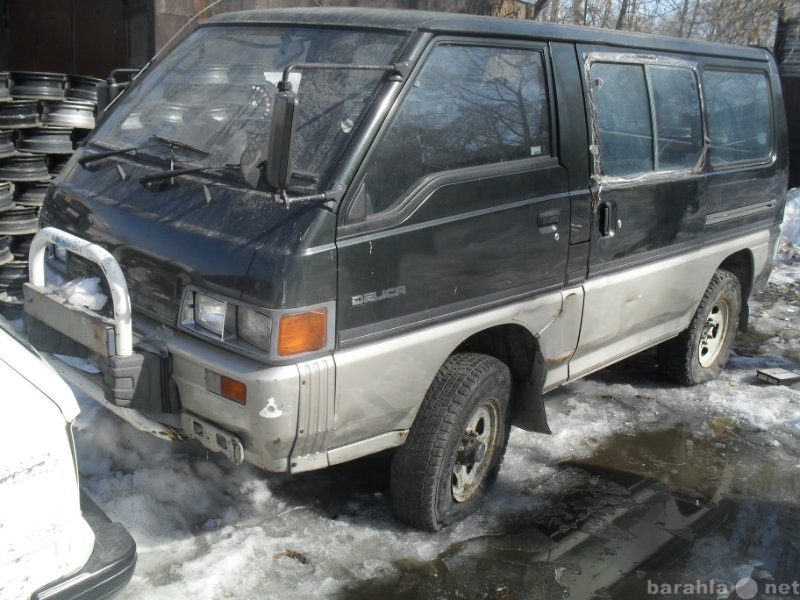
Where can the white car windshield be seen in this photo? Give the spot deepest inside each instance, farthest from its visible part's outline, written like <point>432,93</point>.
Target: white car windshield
<point>211,98</point>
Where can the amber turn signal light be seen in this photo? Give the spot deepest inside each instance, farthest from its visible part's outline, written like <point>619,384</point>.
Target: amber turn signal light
<point>303,332</point>
<point>227,387</point>
<point>233,390</point>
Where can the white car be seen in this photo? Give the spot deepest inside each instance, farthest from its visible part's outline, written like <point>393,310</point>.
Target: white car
<point>55,543</point>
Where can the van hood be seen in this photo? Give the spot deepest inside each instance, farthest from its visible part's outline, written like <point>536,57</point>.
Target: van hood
<point>191,231</point>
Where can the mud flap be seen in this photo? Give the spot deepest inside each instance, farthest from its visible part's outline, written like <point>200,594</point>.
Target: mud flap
<point>529,412</point>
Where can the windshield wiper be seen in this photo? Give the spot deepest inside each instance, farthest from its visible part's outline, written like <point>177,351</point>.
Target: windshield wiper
<point>94,157</point>
<point>148,180</point>
<point>88,159</point>
<point>172,144</point>
<point>172,172</point>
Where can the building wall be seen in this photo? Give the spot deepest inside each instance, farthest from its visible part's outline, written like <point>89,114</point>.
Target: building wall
<point>92,37</point>
<point>86,37</point>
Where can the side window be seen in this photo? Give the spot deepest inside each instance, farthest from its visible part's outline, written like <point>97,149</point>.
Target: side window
<point>469,106</point>
<point>623,117</point>
<point>679,126</point>
<point>739,116</point>
<point>648,118</point>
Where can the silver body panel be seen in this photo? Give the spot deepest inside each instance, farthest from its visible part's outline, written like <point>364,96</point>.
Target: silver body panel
<point>658,301</point>
<point>367,405</point>
<point>363,399</point>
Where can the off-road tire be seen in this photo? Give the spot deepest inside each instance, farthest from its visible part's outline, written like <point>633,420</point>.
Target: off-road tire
<point>699,353</point>
<point>455,445</point>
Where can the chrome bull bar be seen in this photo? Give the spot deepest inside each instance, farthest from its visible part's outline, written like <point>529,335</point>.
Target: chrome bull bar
<point>111,339</point>
<point>123,329</point>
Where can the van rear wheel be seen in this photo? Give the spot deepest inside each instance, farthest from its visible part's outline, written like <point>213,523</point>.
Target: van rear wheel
<point>700,352</point>
<point>455,446</point>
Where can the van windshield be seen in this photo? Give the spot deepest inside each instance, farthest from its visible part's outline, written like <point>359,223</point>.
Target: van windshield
<point>214,93</point>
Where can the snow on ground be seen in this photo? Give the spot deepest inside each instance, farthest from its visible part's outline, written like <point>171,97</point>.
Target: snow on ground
<point>791,218</point>
<point>208,529</point>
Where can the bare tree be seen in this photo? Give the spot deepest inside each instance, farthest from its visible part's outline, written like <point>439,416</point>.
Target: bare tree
<point>688,18</point>
<point>579,11</point>
<point>623,12</point>
<point>788,30</point>
<point>538,7</point>
<point>475,7</point>
<point>555,8</point>
<point>738,21</point>
<point>730,21</point>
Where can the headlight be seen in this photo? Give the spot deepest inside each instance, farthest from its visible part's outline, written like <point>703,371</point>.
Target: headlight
<point>210,313</point>
<point>254,328</point>
<point>254,331</point>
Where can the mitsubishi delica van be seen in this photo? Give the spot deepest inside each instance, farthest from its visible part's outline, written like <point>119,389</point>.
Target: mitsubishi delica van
<point>326,233</point>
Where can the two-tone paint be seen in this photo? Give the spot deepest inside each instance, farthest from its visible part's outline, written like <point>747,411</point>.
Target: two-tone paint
<point>508,259</point>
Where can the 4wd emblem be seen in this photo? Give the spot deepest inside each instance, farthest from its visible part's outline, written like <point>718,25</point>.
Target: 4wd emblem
<point>370,297</point>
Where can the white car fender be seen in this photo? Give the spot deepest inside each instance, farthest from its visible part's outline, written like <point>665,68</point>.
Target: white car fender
<point>43,535</point>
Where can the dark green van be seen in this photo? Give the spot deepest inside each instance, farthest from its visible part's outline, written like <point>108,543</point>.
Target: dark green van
<point>326,233</point>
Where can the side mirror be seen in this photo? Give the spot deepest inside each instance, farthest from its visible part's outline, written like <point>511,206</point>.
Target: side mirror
<point>281,140</point>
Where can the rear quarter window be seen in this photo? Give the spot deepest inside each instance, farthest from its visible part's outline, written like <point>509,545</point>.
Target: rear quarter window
<point>739,116</point>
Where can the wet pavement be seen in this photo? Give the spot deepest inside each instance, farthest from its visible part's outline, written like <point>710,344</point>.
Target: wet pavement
<point>702,510</point>
<point>660,514</point>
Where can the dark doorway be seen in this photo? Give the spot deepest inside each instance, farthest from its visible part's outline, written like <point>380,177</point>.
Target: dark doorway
<point>86,37</point>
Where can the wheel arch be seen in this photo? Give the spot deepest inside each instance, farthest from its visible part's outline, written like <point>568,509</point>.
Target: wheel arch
<point>741,265</point>
<point>517,347</point>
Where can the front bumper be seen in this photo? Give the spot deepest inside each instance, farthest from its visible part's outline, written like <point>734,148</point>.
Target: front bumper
<point>109,568</point>
<point>157,378</point>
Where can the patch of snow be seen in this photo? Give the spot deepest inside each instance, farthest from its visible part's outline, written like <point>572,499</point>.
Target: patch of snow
<point>84,292</point>
<point>791,218</point>
<point>789,250</point>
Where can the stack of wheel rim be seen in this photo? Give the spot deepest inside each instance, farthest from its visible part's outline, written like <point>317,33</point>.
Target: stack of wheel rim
<point>43,116</point>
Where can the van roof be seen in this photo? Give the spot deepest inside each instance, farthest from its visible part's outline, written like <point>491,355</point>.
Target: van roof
<point>473,25</point>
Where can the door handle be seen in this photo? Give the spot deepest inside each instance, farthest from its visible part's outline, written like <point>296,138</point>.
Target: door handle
<point>607,218</point>
<point>547,221</point>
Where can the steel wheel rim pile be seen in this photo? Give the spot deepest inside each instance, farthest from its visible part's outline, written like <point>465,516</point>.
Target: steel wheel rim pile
<point>43,117</point>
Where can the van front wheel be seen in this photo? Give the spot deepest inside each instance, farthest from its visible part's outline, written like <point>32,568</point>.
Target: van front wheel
<point>699,352</point>
<point>456,444</point>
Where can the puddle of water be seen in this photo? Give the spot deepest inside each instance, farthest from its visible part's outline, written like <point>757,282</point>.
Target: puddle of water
<point>644,514</point>
<point>752,499</point>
